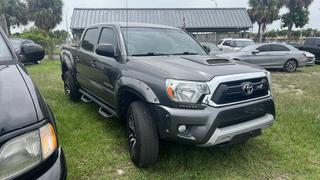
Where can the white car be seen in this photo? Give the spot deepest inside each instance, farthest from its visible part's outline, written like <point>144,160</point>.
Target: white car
<point>234,44</point>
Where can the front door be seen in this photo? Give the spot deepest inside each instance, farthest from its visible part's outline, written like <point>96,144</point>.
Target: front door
<point>106,68</point>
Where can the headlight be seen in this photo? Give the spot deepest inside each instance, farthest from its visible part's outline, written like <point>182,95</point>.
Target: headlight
<point>186,91</point>
<point>269,79</point>
<point>26,151</point>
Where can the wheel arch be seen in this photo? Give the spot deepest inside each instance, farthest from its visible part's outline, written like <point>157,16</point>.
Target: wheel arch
<point>125,96</point>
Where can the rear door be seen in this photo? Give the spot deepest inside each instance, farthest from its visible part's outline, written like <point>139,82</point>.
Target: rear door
<point>85,58</point>
<point>261,58</point>
<point>106,70</point>
<point>278,55</point>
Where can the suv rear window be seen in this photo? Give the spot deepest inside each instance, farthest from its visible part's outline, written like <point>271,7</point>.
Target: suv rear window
<point>5,54</point>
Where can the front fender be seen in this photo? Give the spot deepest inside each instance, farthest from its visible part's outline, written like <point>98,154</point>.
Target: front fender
<point>139,86</point>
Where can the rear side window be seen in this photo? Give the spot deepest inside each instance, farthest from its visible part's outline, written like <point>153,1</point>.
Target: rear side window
<point>264,48</point>
<point>90,39</point>
<point>5,54</point>
<point>277,47</point>
<point>108,36</point>
<point>227,43</point>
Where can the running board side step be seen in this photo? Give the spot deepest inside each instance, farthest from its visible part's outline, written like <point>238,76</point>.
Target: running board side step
<point>105,113</point>
<point>105,110</point>
<point>85,99</point>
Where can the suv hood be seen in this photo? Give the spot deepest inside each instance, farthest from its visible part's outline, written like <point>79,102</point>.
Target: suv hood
<point>17,109</point>
<point>196,68</point>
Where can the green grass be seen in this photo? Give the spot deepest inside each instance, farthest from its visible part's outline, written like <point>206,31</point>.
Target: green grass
<point>96,148</point>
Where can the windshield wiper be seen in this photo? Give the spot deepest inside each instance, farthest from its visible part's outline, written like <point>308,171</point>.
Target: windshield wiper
<point>151,54</point>
<point>186,53</point>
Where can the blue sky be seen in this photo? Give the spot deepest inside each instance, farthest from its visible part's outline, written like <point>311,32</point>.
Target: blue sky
<point>70,4</point>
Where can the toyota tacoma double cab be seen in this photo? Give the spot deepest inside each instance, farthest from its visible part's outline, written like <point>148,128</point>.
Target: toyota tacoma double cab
<point>164,84</point>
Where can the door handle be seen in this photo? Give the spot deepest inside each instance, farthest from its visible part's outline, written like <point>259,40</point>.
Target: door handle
<point>93,63</point>
<point>77,58</point>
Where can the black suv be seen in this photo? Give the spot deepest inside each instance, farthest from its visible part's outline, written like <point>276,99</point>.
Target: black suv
<point>312,45</point>
<point>164,84</point>
<point>29,146</point>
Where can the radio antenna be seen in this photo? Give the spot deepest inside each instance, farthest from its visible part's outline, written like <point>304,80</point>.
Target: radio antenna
<point>127,21</point>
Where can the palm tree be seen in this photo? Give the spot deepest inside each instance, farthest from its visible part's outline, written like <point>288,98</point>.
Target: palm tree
<point>46,14</point>
<point>264,12</point>
<point>298,14</point>
<point>14,12</point>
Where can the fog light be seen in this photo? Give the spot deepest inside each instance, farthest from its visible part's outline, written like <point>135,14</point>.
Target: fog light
<point>182,128</point>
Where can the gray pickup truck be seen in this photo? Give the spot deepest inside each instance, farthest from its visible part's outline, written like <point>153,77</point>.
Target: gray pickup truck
<point>162,82</point>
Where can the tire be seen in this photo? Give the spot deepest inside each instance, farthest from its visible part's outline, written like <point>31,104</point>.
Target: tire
<point>70,87</point>
<point>290,66</point>
<point>143,138</point>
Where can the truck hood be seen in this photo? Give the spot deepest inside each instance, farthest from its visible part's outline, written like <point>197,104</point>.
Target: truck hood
<point>196,68</point>
<point>17,109</point>
<point>232,54</point>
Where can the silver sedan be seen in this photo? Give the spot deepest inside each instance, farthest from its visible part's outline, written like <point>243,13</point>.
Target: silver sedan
<point>271,55</point>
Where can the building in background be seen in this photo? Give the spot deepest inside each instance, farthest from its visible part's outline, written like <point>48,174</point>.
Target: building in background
<point>207,24</point>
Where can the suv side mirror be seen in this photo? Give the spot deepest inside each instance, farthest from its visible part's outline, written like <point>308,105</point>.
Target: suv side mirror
<point>207,48</point>
<point>255,51</point>
<point>106,50</point>
<point>31,53</point>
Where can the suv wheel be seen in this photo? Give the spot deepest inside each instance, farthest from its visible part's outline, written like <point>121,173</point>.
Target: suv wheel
<point>70,87</point>
<point>290,66</point>
<point>143,139</point>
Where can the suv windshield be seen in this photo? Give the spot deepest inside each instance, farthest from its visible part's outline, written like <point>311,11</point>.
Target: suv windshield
<point>244,43</point>
<point>157,41</point>
<point>5,54</point>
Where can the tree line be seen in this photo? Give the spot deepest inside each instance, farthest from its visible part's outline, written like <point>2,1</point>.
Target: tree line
<point>264,12</point>
<point>45,14</point>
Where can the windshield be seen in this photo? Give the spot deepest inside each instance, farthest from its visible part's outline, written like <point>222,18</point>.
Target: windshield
<point>5,54</point>
<point>244,43</point>
<point>157,41</point>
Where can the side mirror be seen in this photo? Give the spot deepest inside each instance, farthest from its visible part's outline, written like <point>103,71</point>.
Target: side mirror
<point>207,49</point>
<point>255,51</point>
<point>31,53</point>
<point>106,50</point>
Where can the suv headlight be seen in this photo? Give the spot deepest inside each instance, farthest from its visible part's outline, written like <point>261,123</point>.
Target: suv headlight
<point>26,151</point>
<point>186,91</point>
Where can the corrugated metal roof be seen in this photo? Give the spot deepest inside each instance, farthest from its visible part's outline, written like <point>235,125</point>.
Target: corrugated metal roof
<point>195,18</point>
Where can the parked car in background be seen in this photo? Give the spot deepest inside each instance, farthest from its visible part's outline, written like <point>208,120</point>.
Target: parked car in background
<point>312,45</point>
<point>165,86</point>
<point>29,148</point>
<point>212,48</point>
<point>234,44</point>
<point>17,43</point>
<point>272,55</point>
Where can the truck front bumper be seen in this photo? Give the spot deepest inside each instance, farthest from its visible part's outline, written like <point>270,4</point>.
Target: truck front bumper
<point>215,126</point>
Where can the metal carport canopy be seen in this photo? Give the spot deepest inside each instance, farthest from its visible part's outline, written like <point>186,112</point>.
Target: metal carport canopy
<point>195,19</point>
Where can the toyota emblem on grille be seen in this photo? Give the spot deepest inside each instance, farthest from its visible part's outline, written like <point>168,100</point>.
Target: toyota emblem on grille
<point>247,88</point>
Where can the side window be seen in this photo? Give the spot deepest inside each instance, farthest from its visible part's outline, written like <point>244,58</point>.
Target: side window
<point>108,36</point>
<point>90,39</point>
<point>317,42</point>
<point>277,47</point>
<point>264,48</point>
<point>227,43</point>
<point>308,42</point>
